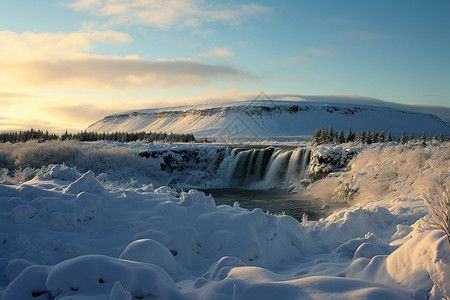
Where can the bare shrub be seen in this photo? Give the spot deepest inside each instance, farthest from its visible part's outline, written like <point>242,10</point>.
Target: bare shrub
<point>115,162</point>
<point>438,202</point>
<point>33,154</point>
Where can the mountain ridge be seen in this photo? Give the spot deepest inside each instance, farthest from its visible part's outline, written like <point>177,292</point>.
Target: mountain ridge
<point>270,118</point>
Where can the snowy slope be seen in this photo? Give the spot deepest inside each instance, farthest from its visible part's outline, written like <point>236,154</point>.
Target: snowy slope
<point>269,118</point>
<point>65,235</point>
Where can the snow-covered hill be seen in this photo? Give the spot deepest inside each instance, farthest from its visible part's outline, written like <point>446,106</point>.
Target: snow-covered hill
<point>270,118</point>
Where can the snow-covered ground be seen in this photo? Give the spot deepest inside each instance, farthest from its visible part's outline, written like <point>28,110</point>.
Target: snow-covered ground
<point>109,229</point>
<point>265,119</point>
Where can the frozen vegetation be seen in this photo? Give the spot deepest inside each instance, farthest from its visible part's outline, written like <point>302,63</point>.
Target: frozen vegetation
<point>98,221</point>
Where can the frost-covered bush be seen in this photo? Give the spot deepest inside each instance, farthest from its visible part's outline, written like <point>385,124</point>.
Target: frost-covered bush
<point>6,161</point>
<point>391,169</point>
<point>438,202</point>
<point>36,155</point>
<point>111,160</point>
<point>119,164</point>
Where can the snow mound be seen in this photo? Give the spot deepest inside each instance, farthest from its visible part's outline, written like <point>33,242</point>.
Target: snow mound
<point>86,183</point>
<point>258,283</point>
<point>410,264</point>
<point>92,275</point>
<point>152,252</point>
<point>58,171</point>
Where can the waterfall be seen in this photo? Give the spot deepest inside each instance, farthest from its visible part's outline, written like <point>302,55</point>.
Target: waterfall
<point>263,168</point>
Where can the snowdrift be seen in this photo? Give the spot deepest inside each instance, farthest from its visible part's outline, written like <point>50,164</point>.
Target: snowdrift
<point>72,235</point>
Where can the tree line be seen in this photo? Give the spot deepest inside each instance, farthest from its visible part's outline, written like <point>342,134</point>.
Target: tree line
<point>91,136</point>
<point>331,136</point>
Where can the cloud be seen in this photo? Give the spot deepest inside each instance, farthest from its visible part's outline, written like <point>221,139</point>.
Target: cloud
<point>16,124</point>
<point>4,102</point>
<point>60,60</point>
<point>297,59</point>
<point>35,46</point>
<point>307,55</point>
<point>7,95</point>
<point>362,36</point>
<point>319,51</point>
<point>218,52</point>
<point>83,113</point>
<point>118,72</point>
<point>165,13</point>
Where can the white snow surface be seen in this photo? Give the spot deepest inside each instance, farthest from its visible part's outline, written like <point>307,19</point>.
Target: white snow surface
<point>259,119</point>
<point>69,235</point>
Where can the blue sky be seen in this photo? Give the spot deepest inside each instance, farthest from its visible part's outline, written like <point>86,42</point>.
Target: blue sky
<point>66,64</point>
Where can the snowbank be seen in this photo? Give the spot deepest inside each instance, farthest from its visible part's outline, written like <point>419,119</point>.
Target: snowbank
<point>65,236</point>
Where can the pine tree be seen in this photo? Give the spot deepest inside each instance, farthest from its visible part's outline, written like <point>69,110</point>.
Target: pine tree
<point>389,137</point>
<point>361,137</point>
<point>350,136</point>
<point>403,138</point>
<point>65,136</point>
<point>423,139</point>
<point>369,137</point>
<point>323,137</point>
<point>381,137</point>
<point>375,137</point>
<point>341,137</point>
<point>315,137</point>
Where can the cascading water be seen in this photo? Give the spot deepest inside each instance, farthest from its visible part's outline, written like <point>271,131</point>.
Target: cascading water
<point>264,168</point>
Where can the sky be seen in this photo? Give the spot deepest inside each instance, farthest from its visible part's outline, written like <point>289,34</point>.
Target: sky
<point>67,64</point>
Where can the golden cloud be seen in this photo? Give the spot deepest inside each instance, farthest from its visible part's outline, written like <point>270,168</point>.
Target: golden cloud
<point>16,124</point>
<point>60,60</point>
<point>34,46</point>
<point>97,72</point>
<point>83,113</point>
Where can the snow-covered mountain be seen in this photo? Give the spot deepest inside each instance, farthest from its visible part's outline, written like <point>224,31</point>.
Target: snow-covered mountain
<point>270,118</point>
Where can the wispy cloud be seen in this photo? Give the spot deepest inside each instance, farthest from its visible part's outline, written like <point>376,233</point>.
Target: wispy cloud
<point>4,102</point>
<point>307,55</point>
<point>318,52</point>
<point>218,52</point>
<point>6,98</point>
<point>62,60</point>
<point>8,95</point>
<point>15,124</point>
<point>100,72</point>
<point>165,13</point>
<point>33,46</point>
<point>297,59</point>
<point>84,113</point>
<point>362,36</point>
